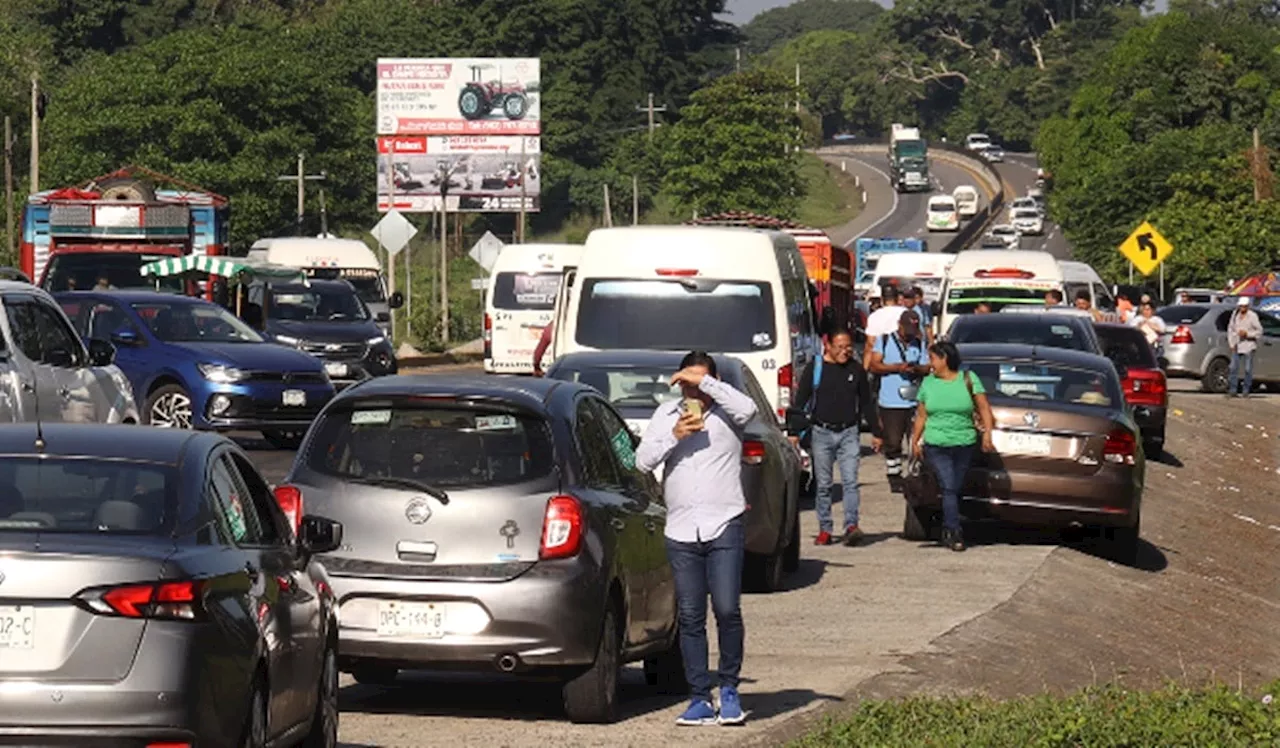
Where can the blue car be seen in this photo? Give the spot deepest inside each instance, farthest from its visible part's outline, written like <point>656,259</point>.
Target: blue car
<point>193,364</point>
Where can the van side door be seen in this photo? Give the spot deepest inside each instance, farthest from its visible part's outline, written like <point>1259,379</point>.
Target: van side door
<point>559,340</point>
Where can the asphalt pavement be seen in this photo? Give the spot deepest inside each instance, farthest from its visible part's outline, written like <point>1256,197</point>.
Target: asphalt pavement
<point>1019,173</point>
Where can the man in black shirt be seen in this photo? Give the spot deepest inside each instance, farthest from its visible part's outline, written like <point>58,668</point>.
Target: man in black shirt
<point>835,408</point>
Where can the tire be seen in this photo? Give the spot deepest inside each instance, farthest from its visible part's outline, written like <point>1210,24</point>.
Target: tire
<point>255,724</point>
<point>284,440</point>
<point>168,407</point>
<point>665,672</point>
<point>763,573</point>
<point>1153,450</point>
<point>791,556</point>
<point>592,697</point>
<point>515,106</point>
<point>324,723</point>
<point>125,189</point>
<point>915,524</point>
<point>1123,542</point>
<point>1215,376</point>
<point>473,104</point>
<point>374,674</point>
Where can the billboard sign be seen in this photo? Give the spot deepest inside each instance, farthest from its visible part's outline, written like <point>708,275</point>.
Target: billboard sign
<point>458,96</point>
<point>479,173</point>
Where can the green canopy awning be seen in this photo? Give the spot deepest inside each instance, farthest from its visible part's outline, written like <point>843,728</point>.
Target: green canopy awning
<point>223,266</point>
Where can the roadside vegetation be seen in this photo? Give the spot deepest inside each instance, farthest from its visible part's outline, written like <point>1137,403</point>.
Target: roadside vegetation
<point>1108,716</point>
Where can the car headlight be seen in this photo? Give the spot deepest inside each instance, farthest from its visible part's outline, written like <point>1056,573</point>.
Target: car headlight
<point>220,374</point>
<point>376,341</point>
<point>286,340</point>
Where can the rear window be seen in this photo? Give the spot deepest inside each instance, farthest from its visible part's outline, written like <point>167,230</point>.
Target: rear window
<point>1047,382</point>
<point>1018,330</point>
<point>86,496</point>
<point>1127,347</point>
<point>725,316</point>
<point>965,300</point>
<point>533,291</point>
<point>1182,314</point>
<point>941,205</point>
<point>442,446</point>
<point>630,386</point>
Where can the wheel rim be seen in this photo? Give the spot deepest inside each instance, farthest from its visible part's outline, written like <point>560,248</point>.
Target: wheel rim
<point>1220,379</point>
<point>329,700</point>
<point>470,102</point>
<point>514,106</point>
<point>171,411</point>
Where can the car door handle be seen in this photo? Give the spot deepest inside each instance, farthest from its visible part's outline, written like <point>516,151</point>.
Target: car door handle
<point>617,524</point>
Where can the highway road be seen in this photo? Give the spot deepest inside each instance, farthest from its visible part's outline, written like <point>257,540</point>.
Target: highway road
<point>1019,173</point>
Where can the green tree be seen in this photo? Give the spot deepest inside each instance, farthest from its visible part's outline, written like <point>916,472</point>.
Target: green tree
<point>778,25</point>
<point>734,147</point>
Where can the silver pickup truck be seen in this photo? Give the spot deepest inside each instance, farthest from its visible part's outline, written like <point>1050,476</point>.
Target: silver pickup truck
<point>47,372</point>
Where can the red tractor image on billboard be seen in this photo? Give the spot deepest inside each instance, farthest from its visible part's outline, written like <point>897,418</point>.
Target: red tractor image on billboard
<point>479,98</point>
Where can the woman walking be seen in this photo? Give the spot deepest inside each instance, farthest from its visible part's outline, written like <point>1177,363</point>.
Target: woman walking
<point>952,405</point>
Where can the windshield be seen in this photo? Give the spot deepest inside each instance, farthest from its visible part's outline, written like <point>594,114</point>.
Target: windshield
<point>101,271</point>
<point>437,445</point>
<point>369,289</point>
<point>1047,382</point>
<point>1026,213</point>
<point>316,304</point>
<point>1018,330</point>
<point>932,287</point>
<point>86,496</point>
<point>965,300</point>
<point>1003,231</point>
<point>939,206</point>
<point>687,314</point>
<point>188,322</point>
<point>629,387</point>
<point>528,291</point>
<point>910,148</point>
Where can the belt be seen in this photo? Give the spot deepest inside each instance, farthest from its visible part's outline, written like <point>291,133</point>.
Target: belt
<point>835,426</point>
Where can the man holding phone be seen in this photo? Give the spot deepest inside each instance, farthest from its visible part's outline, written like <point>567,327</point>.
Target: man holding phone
<point>698,441</point>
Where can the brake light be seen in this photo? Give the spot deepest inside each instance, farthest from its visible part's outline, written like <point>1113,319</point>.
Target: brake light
<point>561,528</point>
<point>164,600</point>
<point>1146,387</point>
<point>1121,447</point>
<point>753,452</point>
<point>488,336</point>
<point>784,390</point>
<point>677,272</point>
<point>1182,336</point>
<point>1005,273</point>
<point>290,500</point>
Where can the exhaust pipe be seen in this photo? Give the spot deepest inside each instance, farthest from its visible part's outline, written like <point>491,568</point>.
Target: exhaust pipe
<point>508,662</point>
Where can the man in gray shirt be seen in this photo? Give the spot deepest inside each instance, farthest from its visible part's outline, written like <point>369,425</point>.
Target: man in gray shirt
<point>1243,332</point>
<point>698,442</point>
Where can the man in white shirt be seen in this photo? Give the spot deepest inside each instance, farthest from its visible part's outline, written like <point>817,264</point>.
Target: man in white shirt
<point>1243,332</point>
<point>883,321</point>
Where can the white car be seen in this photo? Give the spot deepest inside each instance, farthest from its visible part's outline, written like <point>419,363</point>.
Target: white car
<point>1023,203</point>
<point>966,197</point>
<point>943,215</point>
<point>1028,221</point>
<point>1006,233</point>
<point>976,141</point>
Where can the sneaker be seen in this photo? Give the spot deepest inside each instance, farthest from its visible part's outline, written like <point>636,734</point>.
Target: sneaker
<point>730,707</point>
<point>953,539</point>
<point>824,538</point>
<point>700,712</point>
<point>852,535</point>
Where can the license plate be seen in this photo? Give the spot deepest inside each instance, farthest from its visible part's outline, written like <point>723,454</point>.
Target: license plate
<point>295,397</point>
<point>336,370</point>
<point>17,627</point>
<point>419,620</point>
<point>1015,442</point>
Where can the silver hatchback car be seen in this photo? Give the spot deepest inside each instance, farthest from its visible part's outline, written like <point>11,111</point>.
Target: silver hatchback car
<point>495,525</point>
<point>1195,345</point>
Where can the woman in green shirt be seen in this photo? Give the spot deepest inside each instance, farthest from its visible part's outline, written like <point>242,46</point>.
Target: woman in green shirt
<point>945,434</point>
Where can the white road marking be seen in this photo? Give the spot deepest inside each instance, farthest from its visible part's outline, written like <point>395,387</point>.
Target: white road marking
<point>893,209</point>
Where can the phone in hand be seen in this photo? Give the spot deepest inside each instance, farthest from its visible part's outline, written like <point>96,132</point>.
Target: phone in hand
<point>692,405</point>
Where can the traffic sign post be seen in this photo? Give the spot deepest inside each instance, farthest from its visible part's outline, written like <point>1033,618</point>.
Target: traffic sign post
<point>393,232</point>
<point>1146,248</point>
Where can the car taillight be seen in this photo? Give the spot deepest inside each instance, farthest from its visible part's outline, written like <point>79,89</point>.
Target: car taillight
<point>1146,387</point>
<point>1182,336</point>
<point>753,452</point>
<point>1121,447</point>
<point>178,601</point>
<point>488,336</point>
<point>561,528</point>
<point>784,390</point>
<point>290,500</point>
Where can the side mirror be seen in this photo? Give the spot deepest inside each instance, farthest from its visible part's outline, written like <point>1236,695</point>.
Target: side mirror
<point>396,301</point>
<point>383,316</point>
<point>319,535</point>
<point>125,336</point>
<point>101,353</point>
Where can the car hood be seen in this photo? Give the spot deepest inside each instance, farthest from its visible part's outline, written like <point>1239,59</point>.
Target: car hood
<point>253,356</point>
<point>325,332</point>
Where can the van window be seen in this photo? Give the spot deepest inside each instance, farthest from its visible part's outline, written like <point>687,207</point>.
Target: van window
<point>528,291</point>
<point>965,300</point>
<point>728,316</point>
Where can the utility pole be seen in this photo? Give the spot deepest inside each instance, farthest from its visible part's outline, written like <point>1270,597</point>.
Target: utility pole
<point>635,200</point>
<point>302,177</point>
<point>651,109</point>
<point>608,213</point>
<point>35,134</point>
<point>8,185</point>
<point>444,258</point>
<point>737,59</point>
<point>1257,164</point>
<point>524,191</point>
<point>799,126</point>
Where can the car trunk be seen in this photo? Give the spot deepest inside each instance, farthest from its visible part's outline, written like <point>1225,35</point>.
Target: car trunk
<point>1065,439</point>
<point>44,632</point>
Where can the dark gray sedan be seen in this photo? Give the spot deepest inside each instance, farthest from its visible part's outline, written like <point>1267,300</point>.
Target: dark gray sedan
<point>152,592</point>
<point>636,383</point>
<point>494,525</point>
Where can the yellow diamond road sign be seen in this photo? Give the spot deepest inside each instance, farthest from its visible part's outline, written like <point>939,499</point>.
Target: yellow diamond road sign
<point>1146,248</point>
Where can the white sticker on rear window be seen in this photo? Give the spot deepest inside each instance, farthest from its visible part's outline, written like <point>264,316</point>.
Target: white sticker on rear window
<point>495,423</point>
<point>1062,330</point>
<point>364,417</point>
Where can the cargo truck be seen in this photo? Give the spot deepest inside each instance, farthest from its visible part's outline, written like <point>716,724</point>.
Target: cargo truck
<point>908,160</point>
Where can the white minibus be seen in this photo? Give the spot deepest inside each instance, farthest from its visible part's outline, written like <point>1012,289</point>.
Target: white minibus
<point>520,301</point>
<point>999,277</point>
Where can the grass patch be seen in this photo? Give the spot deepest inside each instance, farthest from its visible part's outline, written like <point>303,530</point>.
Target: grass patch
<point>830,199</point>
<point>1107,716</point>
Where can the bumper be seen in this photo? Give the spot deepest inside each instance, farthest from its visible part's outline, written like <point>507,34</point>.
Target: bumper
<point>547,617</point>
<point>1183,361</point>
<point>1107,498</point>
<point>260,405</point>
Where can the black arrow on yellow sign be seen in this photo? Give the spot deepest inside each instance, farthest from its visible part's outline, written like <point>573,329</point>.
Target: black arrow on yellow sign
<point>1145,242</point>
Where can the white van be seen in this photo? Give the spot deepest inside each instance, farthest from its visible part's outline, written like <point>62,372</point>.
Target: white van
<point>927,270</point>
<point>329,258</point>
<point>738,291</point>
<point>521,301</point>
<point>966,197</point>
<point>1000,277</point>
<point>1080,276</point>
<point>942,214</point>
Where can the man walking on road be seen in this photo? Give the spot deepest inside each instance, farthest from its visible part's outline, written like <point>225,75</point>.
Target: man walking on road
<point>834,392</point>
<point>913,300</point>
<point>1243,332</point>
<point>698,441</point>
<point>902,361</point>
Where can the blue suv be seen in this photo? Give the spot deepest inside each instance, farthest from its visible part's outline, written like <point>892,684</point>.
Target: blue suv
<point>193,364</point>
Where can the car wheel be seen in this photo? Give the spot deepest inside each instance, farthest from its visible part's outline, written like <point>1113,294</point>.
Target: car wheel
<point>791,557</point>
<point>168,407</point>
<point>1123,542</point>
<point>666,671</point>
<point>763,573</point>
<point>1153,450</point>
<point>324,723</point>
<point>1215,376</point>
<point>915,525</point>
<point>593,696</point>
<point>374,674</point>
<point>255,728</point>
<point>284,440</point>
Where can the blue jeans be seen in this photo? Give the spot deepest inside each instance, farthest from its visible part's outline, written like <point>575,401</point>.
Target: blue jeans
<point>827,448</point>
<point>715,567</point>
<point>950,464</point>
<point>1234,375</point>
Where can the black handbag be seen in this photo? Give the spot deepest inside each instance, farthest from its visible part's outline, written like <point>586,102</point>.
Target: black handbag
<point>920,484</point>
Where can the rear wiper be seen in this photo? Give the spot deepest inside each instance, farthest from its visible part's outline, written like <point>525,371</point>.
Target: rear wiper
<point>409,483</point>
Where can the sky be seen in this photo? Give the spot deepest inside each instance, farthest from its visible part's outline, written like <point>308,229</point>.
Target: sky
<point>743,10</point>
